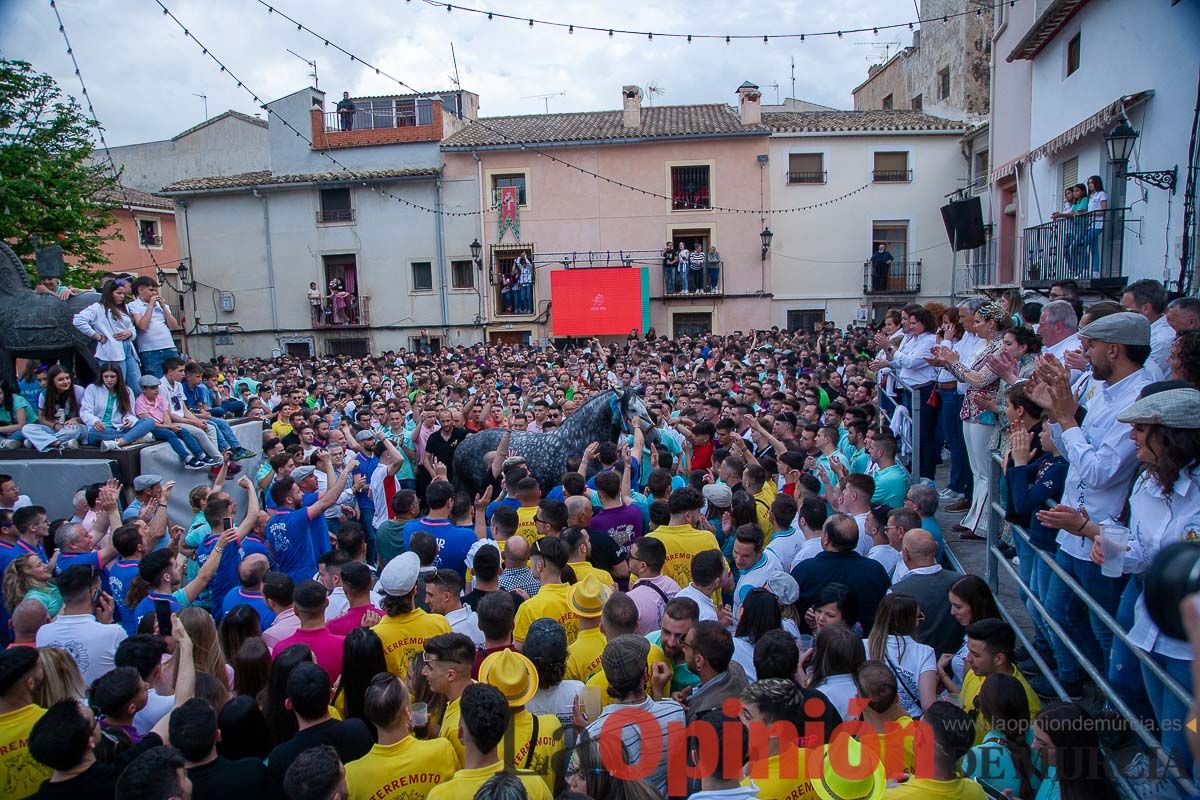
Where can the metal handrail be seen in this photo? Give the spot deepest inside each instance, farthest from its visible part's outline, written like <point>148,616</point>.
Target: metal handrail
<point>914,412</point>
<point>994,560</point>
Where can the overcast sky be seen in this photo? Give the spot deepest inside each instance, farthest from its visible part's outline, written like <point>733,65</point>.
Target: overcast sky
<point>142,73</point>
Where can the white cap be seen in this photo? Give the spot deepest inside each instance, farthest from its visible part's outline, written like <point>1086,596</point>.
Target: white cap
<point>400,575</point>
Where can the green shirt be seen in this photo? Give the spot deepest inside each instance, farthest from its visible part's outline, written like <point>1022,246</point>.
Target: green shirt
<point>18,403</point>
<point>891,485</point>
<point>683,677</point>
<point>389,540</point>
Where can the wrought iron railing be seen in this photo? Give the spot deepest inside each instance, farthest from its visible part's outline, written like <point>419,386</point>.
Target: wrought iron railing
<point>343,310</point>
<point>808,177</point>
<point>336,215</point>
<point>1084,247</point>
<point>705,281</point>
<point>150,240</point>
<point>891,175</point>
<point>899,277</point>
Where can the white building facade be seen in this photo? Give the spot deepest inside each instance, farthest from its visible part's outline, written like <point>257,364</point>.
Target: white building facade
<point>894,169</point>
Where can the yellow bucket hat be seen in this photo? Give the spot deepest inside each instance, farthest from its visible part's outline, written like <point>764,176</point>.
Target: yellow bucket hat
<point>586,598</point>
<point>513,674</point>
<point>832,786</point>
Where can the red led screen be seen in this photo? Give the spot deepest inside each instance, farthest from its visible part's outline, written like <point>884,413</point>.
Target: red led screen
<point>596,302</point>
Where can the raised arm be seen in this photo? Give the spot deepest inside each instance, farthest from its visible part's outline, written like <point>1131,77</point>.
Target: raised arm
<point>501,453</point>
<point>199,583</point>
<point>331,495</point>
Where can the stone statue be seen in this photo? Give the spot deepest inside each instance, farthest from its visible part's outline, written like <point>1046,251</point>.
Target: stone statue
<point>38,326</point>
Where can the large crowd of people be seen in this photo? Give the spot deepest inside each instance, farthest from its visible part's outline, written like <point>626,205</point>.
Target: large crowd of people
<point>697,608</point>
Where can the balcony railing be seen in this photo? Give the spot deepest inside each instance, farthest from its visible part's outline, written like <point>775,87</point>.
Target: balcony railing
<point>516,301</point>
<point>342,310</point>
<point>150,240</point>
<point>899,278</point>
<point>891,175</point>
<point>978,269</point>
<point>808,177</point>
<point>368,119</point>
<point>706,282</point>
<point>1086,248</point>
<point>336,215</point>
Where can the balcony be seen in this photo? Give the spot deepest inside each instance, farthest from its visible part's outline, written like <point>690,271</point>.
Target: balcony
<point>150,240</point>
<point>701,284</point>
<point>891,175</point>
<point>342,311</point>
<point>371,125</point>
<point>977,270</point>
<point>1086,248</point>
<point>336,215</point>
<point>807,177</point>
<point>902,278</point>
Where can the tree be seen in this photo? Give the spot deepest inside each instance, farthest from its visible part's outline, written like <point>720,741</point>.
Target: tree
<point>49,188</point>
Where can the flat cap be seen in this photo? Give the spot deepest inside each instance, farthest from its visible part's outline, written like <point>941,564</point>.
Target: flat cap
<point>1174,408</point>
<point>1124,327</point>
<point>143,482</point>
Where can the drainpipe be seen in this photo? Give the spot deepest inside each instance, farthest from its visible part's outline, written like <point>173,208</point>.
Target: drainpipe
<point>270,264</point>
<point>441,258</point>
<point>484,283</point>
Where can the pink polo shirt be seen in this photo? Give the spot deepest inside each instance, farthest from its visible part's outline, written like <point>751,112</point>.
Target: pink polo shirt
<point>326,648</point>
<point>350,619</point>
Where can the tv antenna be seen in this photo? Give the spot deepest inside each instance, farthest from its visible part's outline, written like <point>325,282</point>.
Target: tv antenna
<point>203,97</point>
<point>774,86</point>
<point>545,98</point>
<point>652,89</point>
<point>312,63</point>
<point>454,78</point>
<point>793,76</point>
<point>887,48</point>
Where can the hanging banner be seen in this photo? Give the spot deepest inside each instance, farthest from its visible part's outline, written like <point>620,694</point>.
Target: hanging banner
<point>510,213</point>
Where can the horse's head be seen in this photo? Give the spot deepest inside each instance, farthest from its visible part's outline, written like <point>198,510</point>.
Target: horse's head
<point>633,408</point>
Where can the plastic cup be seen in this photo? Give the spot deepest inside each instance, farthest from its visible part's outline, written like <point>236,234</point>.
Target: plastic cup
<point>804,642</point>
<point>419,712</point>
<point>1113,540</point>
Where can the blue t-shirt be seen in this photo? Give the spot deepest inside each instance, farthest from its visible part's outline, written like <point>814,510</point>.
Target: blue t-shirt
<point>226,576</point>
<point>177,600</point>
<point>288,534</point>
<point>119,578</point>
<point>89,559</point>
<point>319,530</point>
<point>453,541</point>
<point>131,511</point>
<point>241,597</point>
<point>365,467</point>
<point>511,502</point>
<point>251,545</point>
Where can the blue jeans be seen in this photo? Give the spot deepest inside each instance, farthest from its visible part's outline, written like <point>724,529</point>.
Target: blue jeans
<point>682,281</point>
<point>1169,710</point>
<point>668,280</point>
<point>952,433</point>
<point>1072,615</point>
<point>183,443</point>
<point>714,276</point>
<point>525,298</point>
<point>131,369</point>
<point>226,439</point>
<point>1041,575</point>
<point>152,360</point>
<point>139,429</point>
<point>1094,246</point>
<point>506,300</point>
<point>1124,670</point>
<point>1027,570</point>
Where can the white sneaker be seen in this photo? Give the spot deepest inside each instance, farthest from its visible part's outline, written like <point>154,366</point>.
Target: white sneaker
<point>10,444</point>
<point>110,444</point>
<point>72,444</point>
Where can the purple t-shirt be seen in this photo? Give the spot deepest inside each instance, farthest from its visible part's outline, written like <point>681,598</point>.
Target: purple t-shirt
<point>623,525</point>
<point>326,649</point>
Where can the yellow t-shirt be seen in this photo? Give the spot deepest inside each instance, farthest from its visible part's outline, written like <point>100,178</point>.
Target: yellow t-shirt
<point>404,636</point>
<point>971,685</point>
<point>682,542</point>
<point>405,770</point>
<point>281,429</point>
<point>906,734</point>
<point>467,781</point>
<point>925,788</point>
<point>582,569</point>
<point>548,745</point>
<point>525,525</point>
<point>550,601</point>
<point>597,685</point>
<point>20,774</point>
<point>762,507</point>
<point>775,784</point>
<point>449,729</point>
<point>583,657</point>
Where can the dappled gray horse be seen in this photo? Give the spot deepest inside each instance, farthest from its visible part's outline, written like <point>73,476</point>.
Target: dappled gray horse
<point>604,418</point>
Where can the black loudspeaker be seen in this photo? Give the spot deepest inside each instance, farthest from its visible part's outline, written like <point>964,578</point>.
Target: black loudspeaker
<point>964,224</point>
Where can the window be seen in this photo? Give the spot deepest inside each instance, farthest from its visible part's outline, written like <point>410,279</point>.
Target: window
<point>462,274</point>
<point>892,167</point>
<point>299,349</point>
<point>426,344</point>
<point>690,188</point>
<point>422,276</point>
<point>335,205</point>
<point>691,324</point>
<point>1070,173</point>
<point>979,170</point>
<point>806,168</point>
<point>355,348</point>
<point>887,103</point>
<point>504,181</point>
<point>893,235</point>
<point>918,103</point>
<point>149,234</point>
<point>805,321</point>
<point>944,83</point>
<point>1073,53</point>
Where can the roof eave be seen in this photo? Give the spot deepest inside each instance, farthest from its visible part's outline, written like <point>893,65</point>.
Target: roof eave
<point>457,148</point>
<point>267,187</point>
<point>821,134</point>
<point>1044,29</point>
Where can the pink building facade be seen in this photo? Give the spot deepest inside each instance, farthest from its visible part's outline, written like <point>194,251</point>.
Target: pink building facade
<point>689,160</point>
<point>147,226</point>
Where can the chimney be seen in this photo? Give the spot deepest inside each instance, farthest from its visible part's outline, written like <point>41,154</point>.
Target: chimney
<point>749,108</point>
<point>632,106</point>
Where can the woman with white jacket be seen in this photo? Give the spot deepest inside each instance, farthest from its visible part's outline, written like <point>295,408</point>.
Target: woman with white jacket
<point>106,323</point>
<point>59,424</point>
<point>108,412</point>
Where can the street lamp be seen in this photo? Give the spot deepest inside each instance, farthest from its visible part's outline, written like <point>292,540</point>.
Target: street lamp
<point>182,273</point>
<point>766,237</point>
<point>1120,141</point>
<point>476,251</point>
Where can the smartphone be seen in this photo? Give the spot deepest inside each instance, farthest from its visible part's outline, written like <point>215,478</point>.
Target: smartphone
<point>96,598</point>
<point>162,612</point>
<point>226,523</point>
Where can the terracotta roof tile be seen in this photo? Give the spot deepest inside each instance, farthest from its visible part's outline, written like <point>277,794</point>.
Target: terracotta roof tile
<point>852,121</point>
<point>266,178</point>
<point>699,121</point>
<point>124,196</point>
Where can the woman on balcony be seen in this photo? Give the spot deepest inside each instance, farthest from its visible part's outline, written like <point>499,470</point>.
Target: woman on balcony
<point>714,267</point>
<point>1097,205</point>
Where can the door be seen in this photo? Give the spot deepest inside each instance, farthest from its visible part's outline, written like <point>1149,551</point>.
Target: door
<point>691,324</point>
<point>298,349</point>
<point>1008,233</point>
<point>808,321</point>
<point>509,337</point>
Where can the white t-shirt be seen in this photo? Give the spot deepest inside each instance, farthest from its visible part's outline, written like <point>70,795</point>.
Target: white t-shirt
<point>379,495</point>
<point>707,610</point>
<point>557,701</point>
<point>807,550</point>
<point>176,401</point>
<point>91,643</point>
<point>157,706</point>
<point>743,653</point>
<point>157,336</point>
<point>908,659</point>
<point>839,690</point>
<point>784,545</point>
<point>886,555</point>
<point>1094,201</point>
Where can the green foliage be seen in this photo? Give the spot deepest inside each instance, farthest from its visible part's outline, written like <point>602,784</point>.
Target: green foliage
<point>49,189</point>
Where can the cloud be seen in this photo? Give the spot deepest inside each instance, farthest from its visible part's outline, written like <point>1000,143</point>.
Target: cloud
<point>142,73</point>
